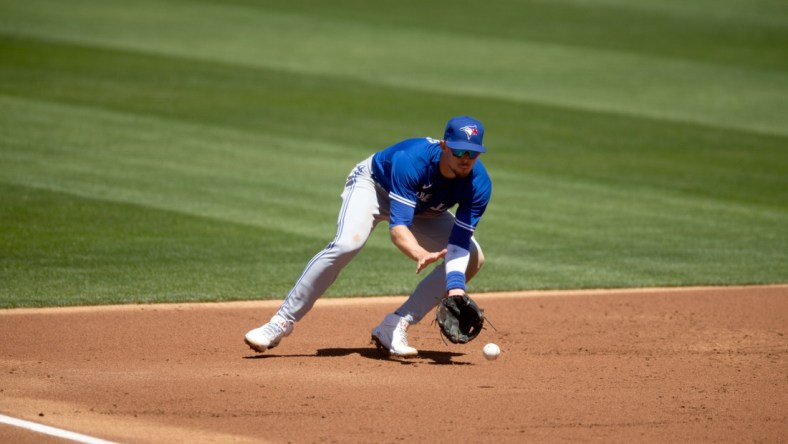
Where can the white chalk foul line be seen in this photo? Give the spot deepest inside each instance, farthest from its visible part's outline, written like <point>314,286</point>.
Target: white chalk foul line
<point>52,431</point>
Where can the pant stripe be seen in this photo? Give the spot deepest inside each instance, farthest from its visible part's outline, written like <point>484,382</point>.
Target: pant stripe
<point>350,187</point>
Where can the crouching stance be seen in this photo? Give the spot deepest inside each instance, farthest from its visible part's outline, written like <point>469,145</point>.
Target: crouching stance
<point>412,185</point>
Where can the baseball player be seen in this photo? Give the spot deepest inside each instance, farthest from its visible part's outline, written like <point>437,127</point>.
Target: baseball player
<point>412,185</point>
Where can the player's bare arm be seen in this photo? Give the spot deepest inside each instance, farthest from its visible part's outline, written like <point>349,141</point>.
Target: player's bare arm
<point>402,237</point>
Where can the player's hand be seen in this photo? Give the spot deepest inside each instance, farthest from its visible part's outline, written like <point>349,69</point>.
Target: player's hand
<point>456,292</point>
<point>429,258</point>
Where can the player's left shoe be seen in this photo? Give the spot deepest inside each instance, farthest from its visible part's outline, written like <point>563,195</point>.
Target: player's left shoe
<point>392,335</point>
<point>269,335</point>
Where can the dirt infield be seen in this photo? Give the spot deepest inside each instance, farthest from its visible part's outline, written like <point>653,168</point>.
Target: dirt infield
<point>687,365</point>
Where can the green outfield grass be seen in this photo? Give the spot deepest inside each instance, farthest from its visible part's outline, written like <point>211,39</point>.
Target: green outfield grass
<point>196,150</point>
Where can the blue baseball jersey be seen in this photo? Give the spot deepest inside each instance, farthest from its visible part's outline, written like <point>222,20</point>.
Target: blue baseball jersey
<point>409,171</point>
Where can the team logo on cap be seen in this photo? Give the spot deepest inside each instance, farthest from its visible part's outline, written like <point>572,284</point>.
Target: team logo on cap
<point>470,131</point>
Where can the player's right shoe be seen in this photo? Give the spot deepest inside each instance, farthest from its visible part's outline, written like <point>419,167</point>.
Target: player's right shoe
<point>269,335</point>
<point>392,335</point>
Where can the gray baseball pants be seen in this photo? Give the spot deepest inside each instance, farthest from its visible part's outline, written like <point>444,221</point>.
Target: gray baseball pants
<point>364,205</point>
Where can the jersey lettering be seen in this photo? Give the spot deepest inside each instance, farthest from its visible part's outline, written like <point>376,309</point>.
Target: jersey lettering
<point>422,196</point>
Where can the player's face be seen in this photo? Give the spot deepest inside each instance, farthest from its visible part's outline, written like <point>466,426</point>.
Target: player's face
<point>457,163</point>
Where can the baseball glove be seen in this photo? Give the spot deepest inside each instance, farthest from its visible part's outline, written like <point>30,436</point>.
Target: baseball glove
<point>459,318</point>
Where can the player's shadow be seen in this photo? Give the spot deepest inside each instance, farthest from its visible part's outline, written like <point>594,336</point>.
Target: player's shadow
<point>435,357</point>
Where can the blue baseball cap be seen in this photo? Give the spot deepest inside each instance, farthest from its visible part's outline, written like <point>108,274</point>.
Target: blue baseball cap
<point>464,133</point>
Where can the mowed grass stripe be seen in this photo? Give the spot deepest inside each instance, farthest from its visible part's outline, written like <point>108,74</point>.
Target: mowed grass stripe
<point>673,87</point>
<point>264,101</point>
<point>60,249</point>
<point>737,31</point>
<point>597,235</point>
<point>194,169</point>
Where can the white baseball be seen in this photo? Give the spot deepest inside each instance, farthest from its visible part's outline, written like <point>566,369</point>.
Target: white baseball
<point>491,351</point>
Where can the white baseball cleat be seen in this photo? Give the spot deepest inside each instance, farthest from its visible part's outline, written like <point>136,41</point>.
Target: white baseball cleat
<point>392,335</point>
<point>269,335</point>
